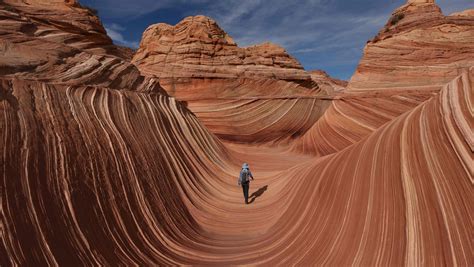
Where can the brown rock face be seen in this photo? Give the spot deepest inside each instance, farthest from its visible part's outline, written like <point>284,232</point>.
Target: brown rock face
<point>198,47</point>
<point>58,21</point>
<point>418,48</point>
<point>63,43</point>
<point>326,82</point>
<point>413,56</point>
<point>225,85</point>
<point>465,13</point>
<point>421,1</point>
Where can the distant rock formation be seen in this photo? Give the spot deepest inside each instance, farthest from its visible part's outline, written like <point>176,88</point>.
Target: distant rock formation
<point>418,48</point>
<point>197,47</point>
<point>414,55</point>
<point>465,13</point>
<point>327,83</point>
<point>198,62</point>
<point>420,1</point>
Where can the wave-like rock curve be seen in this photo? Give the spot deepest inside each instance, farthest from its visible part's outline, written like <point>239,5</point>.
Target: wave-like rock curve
<point>135,182</point>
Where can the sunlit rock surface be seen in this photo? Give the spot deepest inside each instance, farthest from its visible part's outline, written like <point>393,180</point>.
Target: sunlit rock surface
<point>419,48</point>
<point>198,47</point>
<point>62,43</point>
<point>327,83</point>
<point>257,94</point>
<point>407,63</point>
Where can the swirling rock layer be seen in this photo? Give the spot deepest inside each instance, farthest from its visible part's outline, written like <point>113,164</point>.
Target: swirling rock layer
<point>252,110</point>
<point>94,169</point>
<point>354,115</point>
<point>61,42</point>
<point>248,94</point>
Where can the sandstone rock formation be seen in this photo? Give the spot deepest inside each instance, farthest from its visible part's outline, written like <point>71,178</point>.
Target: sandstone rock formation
<point>198,47</point>
<point>59,21</point>
<point>99,166</point>
<point>327,83</point>
<point>63,43</point>
<point>233,91</point>
<point>354,115</point>
<point>465,13</point>
<point>421,1</point>
<point>419,48</point>
<point>405,65</point>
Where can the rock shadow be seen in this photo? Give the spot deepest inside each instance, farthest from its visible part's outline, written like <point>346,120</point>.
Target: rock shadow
<point>257,194</point>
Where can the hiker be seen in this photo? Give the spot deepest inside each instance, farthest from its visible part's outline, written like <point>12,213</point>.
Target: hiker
<point>244,180</point>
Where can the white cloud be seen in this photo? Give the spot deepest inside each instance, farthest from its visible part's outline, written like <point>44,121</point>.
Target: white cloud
<point>113,30</point>
<point>115,27</point>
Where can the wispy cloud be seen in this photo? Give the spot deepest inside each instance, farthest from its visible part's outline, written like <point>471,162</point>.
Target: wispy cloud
<point>114,31</point>
<point>320,33</point>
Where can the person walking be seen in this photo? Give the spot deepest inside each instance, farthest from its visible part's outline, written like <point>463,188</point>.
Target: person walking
<point>244,180</point>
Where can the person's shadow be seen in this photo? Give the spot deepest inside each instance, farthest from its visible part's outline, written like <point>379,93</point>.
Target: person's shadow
<point>257,194</point>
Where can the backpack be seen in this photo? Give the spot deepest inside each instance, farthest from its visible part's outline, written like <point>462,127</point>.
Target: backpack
<point>244,176</point>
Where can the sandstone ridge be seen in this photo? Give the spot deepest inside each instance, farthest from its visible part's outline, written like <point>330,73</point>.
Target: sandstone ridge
<point>197,47</point>
<point>418,48</point>
<point>62,42</point>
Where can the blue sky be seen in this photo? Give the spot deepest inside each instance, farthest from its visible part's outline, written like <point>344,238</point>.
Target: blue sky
<point>322,34</point>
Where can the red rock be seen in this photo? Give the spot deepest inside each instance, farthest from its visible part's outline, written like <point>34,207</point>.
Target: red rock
<point>419,48</point>
<point>199,63</point>
<point>63,43</point>
<point>198,47</point>
<point>465,13</point>
<point>329,84</point>
<point>405,65</point>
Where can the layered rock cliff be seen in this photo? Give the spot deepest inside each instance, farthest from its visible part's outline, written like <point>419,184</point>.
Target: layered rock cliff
<point>63,43</point>
<point>328,84</point>
<point>413,56</point>
<point>234,91</point>
<point>198,47</point>
<point>418,48</point>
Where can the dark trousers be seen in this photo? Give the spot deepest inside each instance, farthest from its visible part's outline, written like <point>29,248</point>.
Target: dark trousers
<point>245,188</point>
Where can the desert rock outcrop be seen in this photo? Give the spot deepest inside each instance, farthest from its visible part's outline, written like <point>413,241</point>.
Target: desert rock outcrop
<point>417,52</point>
<point>465,13</point>
<point>419,48</point>
<point>232,90</point>
<point>63,43</point>
<point>198,47</point>
<point>327,83</point>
